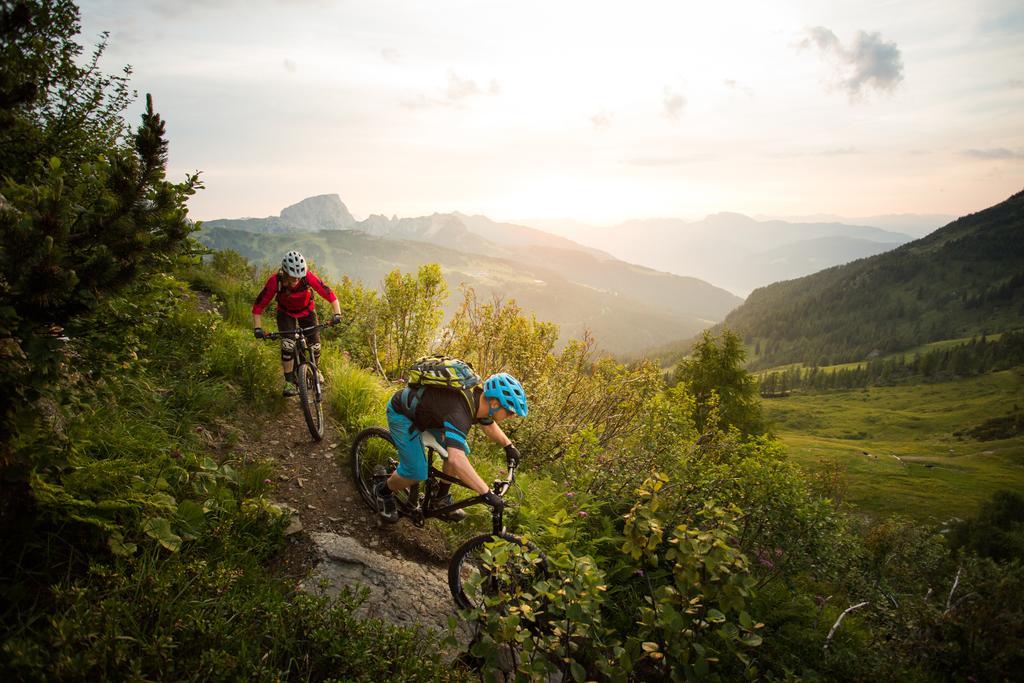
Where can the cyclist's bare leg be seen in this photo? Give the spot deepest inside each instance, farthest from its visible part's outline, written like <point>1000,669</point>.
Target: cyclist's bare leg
<point>397,482</point>
<point>457,465</point>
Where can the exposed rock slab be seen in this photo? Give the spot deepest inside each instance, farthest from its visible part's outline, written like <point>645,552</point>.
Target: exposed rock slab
<point>401,592</point>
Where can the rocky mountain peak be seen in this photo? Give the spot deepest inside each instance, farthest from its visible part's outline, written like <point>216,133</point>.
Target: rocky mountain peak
<point>322,212</point>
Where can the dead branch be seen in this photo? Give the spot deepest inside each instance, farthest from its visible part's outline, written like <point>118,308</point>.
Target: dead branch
<point>376,358</point>
<point>842,616</point>
<point>956,582</point>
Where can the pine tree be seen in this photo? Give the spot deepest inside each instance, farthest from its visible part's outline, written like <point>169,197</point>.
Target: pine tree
<point>714,374</point>
<point>85,205</point>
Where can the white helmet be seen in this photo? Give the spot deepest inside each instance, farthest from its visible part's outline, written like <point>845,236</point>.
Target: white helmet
<point>293,264</point>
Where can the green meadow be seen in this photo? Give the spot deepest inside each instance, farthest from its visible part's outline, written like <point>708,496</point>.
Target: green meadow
<point>894,447</point>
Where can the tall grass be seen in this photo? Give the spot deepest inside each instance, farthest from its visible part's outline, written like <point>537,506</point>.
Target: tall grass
<point>356,399</point>
<point>255,366</point>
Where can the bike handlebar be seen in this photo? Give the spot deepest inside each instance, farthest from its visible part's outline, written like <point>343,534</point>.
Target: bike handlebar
<point>501,486</point>
<point>296,332</point>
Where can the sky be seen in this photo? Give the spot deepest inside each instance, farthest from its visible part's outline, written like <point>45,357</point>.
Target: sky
<point>595,111</point>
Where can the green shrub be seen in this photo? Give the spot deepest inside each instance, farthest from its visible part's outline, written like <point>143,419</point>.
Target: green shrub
<point>997,531</point>
<point>548,615</point>
<point>210,615</point>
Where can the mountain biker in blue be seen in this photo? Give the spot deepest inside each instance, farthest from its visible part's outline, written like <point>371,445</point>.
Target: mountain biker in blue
<point>293,286</point>
<point>448,415</point>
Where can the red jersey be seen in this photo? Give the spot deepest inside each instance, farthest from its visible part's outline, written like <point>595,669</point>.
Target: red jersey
<point>296,301</point>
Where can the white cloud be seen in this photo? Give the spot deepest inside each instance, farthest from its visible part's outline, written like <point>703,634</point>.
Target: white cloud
<point>869,63</point>
<point>998,153</point>
<point>758,134</point>
<point>674,103</point>
<point>732,84</point>
<point>601,120</point>
<point>458,93</point>
<point>460,88</point>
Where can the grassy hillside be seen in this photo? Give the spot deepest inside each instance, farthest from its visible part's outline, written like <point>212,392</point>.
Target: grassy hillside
<point>897,448</point>
<point>964,279</point>
<point>626,307</point>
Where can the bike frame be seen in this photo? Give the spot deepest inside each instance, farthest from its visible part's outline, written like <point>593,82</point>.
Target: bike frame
<point>419,511</point>
<point>310,388</point>
<point>303,354</point>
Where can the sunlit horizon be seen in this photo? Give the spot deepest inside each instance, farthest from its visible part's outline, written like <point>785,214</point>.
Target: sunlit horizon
<point>593,113</point>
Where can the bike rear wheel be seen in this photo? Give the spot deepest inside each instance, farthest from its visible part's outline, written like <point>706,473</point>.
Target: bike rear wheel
<point>471,581</point>
<point>310,399</point>
<point>373,453</point>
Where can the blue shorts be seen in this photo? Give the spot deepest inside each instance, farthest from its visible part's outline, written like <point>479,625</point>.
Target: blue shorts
<point>412,461</point>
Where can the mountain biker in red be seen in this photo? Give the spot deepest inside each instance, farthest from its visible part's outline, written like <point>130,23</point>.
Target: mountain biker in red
<point>293,286</point>
<point>448,415</point>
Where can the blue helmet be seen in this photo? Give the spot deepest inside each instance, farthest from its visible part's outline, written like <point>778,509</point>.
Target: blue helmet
<point>508,391</point>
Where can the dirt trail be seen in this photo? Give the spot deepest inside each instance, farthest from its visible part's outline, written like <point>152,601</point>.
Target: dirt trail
<point>314,479</point>
<point>341,541</point>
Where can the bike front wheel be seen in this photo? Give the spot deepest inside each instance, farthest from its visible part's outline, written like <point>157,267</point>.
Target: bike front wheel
<point>481,569</point>
<point>310,399</point>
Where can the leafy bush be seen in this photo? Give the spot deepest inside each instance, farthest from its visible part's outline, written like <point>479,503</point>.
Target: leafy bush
<point>548,614</point>
<point>210,615</point>
<point>673,605</point>
<point>997,531</point>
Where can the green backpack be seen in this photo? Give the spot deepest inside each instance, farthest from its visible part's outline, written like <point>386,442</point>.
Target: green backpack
<point>445,372</point>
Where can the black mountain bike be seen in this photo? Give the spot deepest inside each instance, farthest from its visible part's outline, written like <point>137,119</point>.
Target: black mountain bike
<point>374,457</point>
<point>307,378</point>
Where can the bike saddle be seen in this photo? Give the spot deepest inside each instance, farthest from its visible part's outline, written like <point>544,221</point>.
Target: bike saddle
<point>430,441</point>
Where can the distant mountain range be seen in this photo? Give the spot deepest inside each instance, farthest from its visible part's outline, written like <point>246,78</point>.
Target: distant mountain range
<point>626,307</point>
<point>323,212</point>
<point>735,251</point>
<point>890,297</point>
<point>964,279</point>
<point>914,224</point>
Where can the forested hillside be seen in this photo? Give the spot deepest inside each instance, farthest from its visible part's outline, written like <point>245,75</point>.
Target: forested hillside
<point>962,280</point>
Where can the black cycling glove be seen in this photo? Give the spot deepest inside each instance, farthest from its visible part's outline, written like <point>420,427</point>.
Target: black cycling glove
<point>494,500</point>
<point>336,319</point>
<point>258,333</point>
<point>512,454</point>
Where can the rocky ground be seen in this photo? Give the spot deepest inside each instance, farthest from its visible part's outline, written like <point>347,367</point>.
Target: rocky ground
<point>335,540</point>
